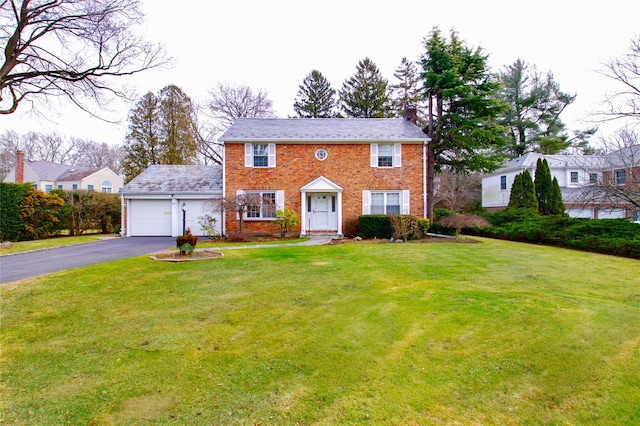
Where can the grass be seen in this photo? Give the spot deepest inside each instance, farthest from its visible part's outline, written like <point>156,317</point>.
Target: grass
<point>398,334</point>
<point>22,246</point>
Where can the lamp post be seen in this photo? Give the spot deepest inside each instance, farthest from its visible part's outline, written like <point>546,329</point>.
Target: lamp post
<point>184,217</point>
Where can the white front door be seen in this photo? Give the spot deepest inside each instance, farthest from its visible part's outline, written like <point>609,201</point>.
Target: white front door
<point>323,216</point>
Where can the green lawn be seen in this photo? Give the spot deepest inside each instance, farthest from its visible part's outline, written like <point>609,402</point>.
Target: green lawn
<point>393,334</point>
<point>22,246</point>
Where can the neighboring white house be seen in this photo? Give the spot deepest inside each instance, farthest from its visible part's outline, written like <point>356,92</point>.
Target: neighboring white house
<point>46,176</point>
<point>573,173</point>
<point>165,199</point>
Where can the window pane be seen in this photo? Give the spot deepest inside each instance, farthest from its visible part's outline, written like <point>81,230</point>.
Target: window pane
<point>503,183</point>
<point>385,155</point>
<point>574,177</point>
<point>269,204</point>
<point>260,156</point>
<point>393,203</point>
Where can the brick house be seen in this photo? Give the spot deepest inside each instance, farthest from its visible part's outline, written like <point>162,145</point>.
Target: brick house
<point>329,171</point>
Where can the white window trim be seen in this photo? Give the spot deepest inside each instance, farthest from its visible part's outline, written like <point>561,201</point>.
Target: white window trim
<point>405,198</point>
<point>397,155</point>
<point>248,155</point>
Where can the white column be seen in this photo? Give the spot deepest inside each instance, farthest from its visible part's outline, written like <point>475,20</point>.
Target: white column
<point>303,213</point>
<point>340,213</point>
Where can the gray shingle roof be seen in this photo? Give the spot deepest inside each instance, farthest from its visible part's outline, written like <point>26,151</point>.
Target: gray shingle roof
<point>46,170</point>
<point>170,179</point>
<point>324,129</point>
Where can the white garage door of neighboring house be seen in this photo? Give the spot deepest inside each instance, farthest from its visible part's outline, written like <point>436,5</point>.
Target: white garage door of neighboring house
<point>150,218</point>
<point>611,214</point>
<point>584,213</point>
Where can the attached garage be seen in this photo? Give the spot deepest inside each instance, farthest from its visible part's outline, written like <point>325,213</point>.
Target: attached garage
<point>152,203</point>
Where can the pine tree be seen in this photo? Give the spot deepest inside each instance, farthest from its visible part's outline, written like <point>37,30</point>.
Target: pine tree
<point>544,187</point>
<point>178,126</point>
<point>142,144</point>
<point>316,97</point>
<point>535,104</point>
<point>366,94</point>
<point>463,109</point>
<point>523,192</point>
<point>407,92</point>
<point>556,204</point>
<point>162,130</point>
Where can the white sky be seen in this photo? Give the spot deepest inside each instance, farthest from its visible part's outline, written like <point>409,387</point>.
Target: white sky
<point>273,45</point>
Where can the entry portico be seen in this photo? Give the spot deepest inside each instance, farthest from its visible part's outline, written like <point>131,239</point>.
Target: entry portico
<point>321,202</point>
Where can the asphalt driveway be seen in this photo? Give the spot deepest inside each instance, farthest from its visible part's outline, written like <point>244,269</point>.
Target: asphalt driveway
<point>31,264</point>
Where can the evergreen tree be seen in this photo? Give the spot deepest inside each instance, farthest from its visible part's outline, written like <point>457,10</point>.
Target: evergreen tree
<point>407,91</point>
<point>463,108</point>
<point>535,104</point>
<point>366,94</point>
<point>523,192</point>
<point>544,187</point>
<point>556,204</point>
<point>178,129</point>
<point>162,130</point>
<point>142,143</point>
<point>316,97</point>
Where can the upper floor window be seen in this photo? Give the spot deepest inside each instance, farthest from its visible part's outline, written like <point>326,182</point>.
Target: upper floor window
<point>259,155</point>
<point>574,177</point>
<point>386,155</point>
<point>621,177</point>
<point>107,186</point>
<point>593,178</point>
<point>503,183</point>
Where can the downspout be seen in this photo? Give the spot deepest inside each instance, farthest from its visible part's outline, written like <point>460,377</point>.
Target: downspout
<point>223,225</point>
<point>424,179</point>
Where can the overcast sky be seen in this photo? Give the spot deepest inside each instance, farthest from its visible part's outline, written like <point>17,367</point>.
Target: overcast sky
<point>273,45</point>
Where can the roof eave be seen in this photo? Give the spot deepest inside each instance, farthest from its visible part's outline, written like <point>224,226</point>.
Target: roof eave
<point>328,140</point>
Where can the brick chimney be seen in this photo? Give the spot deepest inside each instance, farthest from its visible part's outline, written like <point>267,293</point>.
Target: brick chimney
<point>20,167</point>
<point>411,114</point>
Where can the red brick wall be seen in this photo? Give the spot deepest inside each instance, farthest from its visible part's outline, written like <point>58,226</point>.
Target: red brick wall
<point>347,165</point>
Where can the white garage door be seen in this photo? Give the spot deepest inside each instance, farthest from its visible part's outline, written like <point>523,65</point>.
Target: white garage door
<point>577,212</point>
<point>150,218</point>
<point>611,214</point>
<point>197,209</point>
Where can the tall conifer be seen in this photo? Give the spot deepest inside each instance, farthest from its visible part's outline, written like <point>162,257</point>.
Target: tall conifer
<point>316,97</point>
<point>366,94</point>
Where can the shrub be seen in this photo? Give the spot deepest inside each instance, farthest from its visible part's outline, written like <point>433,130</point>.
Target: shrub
<point>287,220</point>
<point>423,225</point>
<point>375,226</point>
<point>186,239</point>
<point>404,226</point>
<point>11,220</point>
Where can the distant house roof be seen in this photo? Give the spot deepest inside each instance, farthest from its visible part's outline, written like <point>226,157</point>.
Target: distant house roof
<point>49,171</point>
<point>176,179</point>
<point>327,130</point>
<point>530,159</point>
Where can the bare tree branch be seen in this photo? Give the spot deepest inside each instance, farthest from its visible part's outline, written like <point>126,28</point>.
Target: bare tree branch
<point>625,102</point>
<point>72,49</point>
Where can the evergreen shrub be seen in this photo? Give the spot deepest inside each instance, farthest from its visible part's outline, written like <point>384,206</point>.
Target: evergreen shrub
<point>375,226</point>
